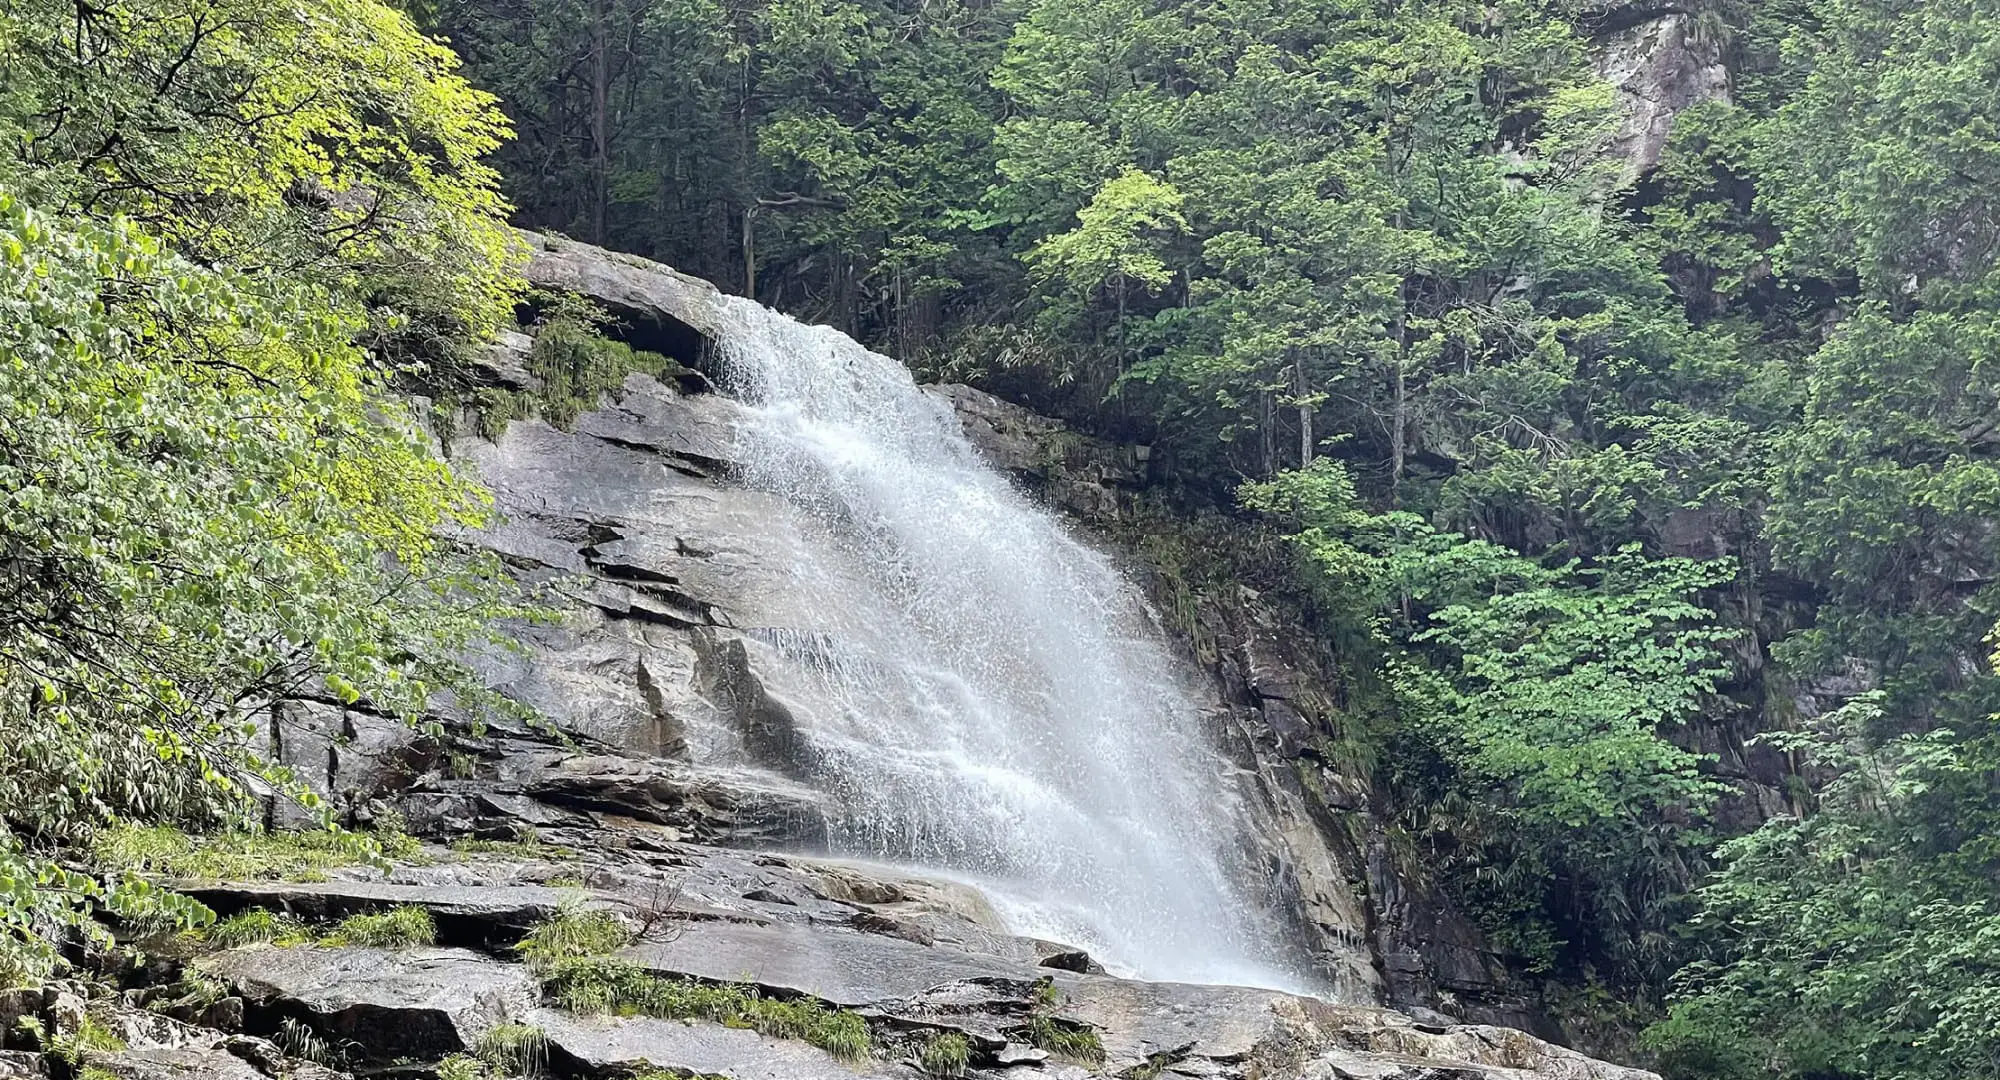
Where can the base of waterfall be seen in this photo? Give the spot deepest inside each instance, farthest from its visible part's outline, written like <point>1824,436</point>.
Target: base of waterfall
<point>914,958</point>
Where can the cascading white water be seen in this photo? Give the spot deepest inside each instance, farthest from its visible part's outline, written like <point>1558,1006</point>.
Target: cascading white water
<point>988,696</point>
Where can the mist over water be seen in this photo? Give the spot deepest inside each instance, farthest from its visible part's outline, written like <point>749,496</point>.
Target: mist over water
<point>982,694</point>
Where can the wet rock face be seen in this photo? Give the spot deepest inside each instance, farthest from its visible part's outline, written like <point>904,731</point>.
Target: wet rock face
<point>424,1003</point>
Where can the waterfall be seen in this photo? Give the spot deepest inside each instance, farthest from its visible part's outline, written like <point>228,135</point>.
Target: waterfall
<point>983,694</point>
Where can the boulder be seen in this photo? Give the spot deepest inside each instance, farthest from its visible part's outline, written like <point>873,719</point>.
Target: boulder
<point>504,363</point>
<point>303,734</point>
<point>1081,474</point>
<point>658,298</point>
<point>422,1003</point>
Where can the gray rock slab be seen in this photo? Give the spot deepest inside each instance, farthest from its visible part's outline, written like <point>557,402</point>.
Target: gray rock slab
<point>603,1044</point>
<point>511,906</point>
<point>184,1063</point>
<point>844,968</point>
<point>419,1002</point>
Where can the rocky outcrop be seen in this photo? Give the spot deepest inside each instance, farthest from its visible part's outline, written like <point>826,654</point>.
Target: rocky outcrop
<point>685,619</point>
<point>1664,58</point>
<point>384,1005</point>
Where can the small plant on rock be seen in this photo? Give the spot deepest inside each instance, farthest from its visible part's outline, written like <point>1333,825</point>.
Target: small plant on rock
<point>514,1049</point>
<point>945,1053</point>
<point>298,1039</point>
<point>574,932</point>
<point>194,990</point>
<point>91,1035</point>
<point>406,927</point>
<point>1063,1039</point>
<point>462,1067</point>
<point>256,926</point>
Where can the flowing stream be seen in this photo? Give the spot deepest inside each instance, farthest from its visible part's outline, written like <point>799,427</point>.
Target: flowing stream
<point>984,695</point>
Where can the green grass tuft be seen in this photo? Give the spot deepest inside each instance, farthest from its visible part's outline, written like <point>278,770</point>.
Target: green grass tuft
<point>462,1067</point>
<point>256,926</point>
<point>1063,1039</point>
<point>599,987</point>
<point>945,1053</point>
<point>406,927</point>
<point>514,1049</point>
<point>299,1040</point>
<point>194,990</point>
<point>527,850</point>
<point>574,932</point>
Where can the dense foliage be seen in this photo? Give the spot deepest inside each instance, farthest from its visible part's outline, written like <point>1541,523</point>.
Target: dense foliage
<point>1595,471</point>
<point>224,228</point>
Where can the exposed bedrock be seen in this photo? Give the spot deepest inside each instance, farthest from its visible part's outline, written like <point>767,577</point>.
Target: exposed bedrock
<point>677,790</point>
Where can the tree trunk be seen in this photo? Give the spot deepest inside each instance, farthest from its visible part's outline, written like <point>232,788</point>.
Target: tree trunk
<point>1269,436</point>
<point>1305,409</point>
<point>1399,421</point>
<point>749,252</point>
<point>600,118</point>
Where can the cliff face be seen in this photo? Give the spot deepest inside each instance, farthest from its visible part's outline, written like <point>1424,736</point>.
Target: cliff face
<point>1663,58</point>
<point>682,612</point>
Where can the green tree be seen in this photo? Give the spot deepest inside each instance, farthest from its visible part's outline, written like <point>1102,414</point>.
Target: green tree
<point>1862,937</point>
<point>224,230</point>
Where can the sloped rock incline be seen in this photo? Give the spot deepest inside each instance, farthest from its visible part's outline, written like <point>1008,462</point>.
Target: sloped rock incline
<point>696,641</point>
<point>428,1002</point>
